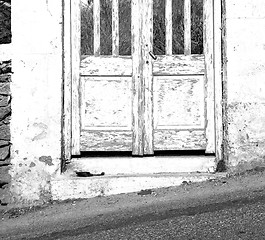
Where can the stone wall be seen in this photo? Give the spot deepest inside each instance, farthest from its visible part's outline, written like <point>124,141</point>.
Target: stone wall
<point>5,101</point>
<point>5,113</point>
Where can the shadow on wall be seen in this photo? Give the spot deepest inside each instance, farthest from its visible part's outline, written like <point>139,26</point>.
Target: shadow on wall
<point>5,99</point>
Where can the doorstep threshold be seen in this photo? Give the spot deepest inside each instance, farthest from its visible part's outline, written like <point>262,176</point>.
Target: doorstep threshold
<point>143,165</point>
<point>70,186</point>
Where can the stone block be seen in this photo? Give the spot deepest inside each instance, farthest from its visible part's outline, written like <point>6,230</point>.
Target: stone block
<point>5,163</point>
<point>5,121</point>
<point>5,88</point>
<point>4,143</point>
<point>4,171</point>
<point>4,197</point>
<point>5,132</point>
<point>5,77</point>
<point>4,152</point>
<point>4,112</point>
<point>4,100</point>
<point>5,67</point>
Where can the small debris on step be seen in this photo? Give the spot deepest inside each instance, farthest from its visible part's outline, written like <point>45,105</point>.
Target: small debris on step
<point>145,192</point>
<point>88,174</point>
<point>186,182</point>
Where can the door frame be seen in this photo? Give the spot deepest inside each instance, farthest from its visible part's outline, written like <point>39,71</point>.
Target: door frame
<point>71,62</point>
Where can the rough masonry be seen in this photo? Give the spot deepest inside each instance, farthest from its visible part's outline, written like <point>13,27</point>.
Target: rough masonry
<point>5,103</point>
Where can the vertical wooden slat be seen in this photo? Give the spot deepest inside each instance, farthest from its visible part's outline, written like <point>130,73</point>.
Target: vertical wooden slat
<point>137,83</point>
<point>115,27</point>
<point>82,102</point>
<point>147,42</point>
<point>209,74</point>
<point>218,80</point>
<point>75,43</point>
<point>96,21</point>
<point>168,16</point>
<point>67,85</point>
<point>187,27</point>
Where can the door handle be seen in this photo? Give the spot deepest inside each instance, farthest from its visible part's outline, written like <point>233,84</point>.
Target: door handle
<point>153,55</point>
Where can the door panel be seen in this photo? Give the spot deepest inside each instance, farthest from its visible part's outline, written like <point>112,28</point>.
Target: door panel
<point>179,102</point>
<point>179,139</point>
<point>179,65</point>
<point>143,103</point>
<point>106,114</point>
<point>106,103</point>
<point>179,113</point>
<point>182,88</point>
<point>108,140</point>
<point>106,66</point>
<point>106,81</point>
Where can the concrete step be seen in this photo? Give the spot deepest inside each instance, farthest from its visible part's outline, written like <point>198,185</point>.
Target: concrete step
<point>69,186</point>
<point>143,165</point>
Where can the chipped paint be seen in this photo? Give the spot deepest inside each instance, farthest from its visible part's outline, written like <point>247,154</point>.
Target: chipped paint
<point>245,66</point>
<point>36,99</point>
<point>46,159</point>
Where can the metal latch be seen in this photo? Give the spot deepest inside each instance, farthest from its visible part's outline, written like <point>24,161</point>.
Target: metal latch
<point>153,55</point>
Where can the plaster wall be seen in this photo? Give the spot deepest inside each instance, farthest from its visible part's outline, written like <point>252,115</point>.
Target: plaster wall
<point>37,98</point>
<point>37,92</point>
<point>245,83</point>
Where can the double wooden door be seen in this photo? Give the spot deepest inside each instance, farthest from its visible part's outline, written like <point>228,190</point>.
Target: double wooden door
<point>145,102</point>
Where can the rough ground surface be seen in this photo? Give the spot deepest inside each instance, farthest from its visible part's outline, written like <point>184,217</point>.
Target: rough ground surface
<point>194,211</point>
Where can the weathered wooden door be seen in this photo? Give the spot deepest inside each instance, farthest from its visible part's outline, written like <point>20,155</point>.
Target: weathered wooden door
<point>146,102</point>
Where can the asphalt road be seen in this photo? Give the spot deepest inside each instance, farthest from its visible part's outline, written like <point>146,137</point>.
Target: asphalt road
<point>237,213</point>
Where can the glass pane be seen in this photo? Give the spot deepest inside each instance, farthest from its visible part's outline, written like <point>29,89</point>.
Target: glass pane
<point>87,39</point>
<point>105,27</point>
<point>125,27</point>
<point>178,26</point>
<point>159,27</point>
<point>197,26</point>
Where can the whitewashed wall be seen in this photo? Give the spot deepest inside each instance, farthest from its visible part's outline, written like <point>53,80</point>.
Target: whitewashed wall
<point>37,92</point>
<point>245,23</point>
<point>37,97</point>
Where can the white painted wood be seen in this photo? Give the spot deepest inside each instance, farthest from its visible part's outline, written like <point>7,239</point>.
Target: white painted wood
<point>179,140</point>
<point>179,97</point>
<point>106,140</point>
<point>115,27</point>
<point>169,90</point>
<point>179,65</point>
<point>187,27</point>
<point>75,44</point>
<point>106,103</point>
<point>209,75</point>
<point>147,76</point>
<point>168,16</point>
<point>106,66</point>
<point>179,113</point>
<point>138,85</point>
<point>179,102</point>
<point>106,99</point>
<point>67,76</point>
<point>218,80</point>
<point>122,65</point>
<point>96,21</point>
